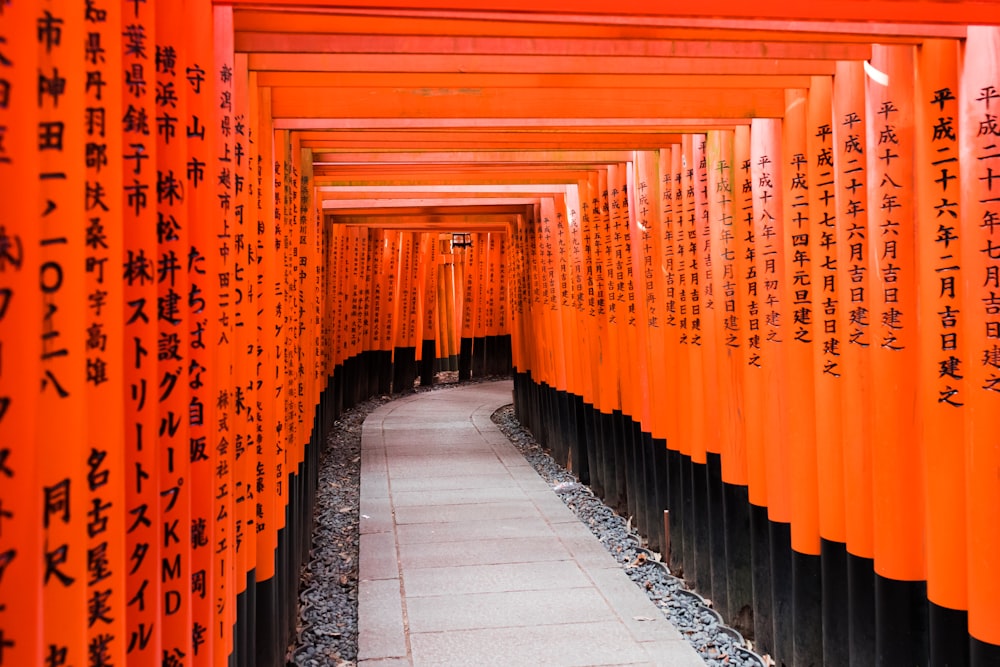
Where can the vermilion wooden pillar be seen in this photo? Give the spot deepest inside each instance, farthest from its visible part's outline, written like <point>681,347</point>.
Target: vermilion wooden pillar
<point>854,323</point>
<point>980,256</point>
<point>21,329</point>
<point>753,378</point>
<point>202,377</point>
<point>797,292</point>
<point>827,351</point>
<point>220,287</point>
<point>66,198</point>
<point>772,333</point>
<point>898,474</point>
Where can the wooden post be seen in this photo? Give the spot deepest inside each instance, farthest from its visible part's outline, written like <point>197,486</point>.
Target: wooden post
<point>981,316</point>
<point>22,331</point>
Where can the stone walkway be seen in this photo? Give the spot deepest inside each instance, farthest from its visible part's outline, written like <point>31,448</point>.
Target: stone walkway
<point>469,558</point>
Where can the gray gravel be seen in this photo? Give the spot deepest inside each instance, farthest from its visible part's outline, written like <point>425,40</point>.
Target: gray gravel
<point>716,643</point>
<point>327,630</point>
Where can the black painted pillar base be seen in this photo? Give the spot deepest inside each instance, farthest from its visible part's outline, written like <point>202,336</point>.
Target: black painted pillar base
<point>582,440</point>
<point>736,504</point>
<point>662,490</point>
<point>901,622</point>
<point>807,610</point>
<point>465,359</point>
<point>478,356</point>
<point>595,441</point>
<point>717,534</point>
<point>949,640</point>
<point>506,354</point>
<point>631,466</point>
<point>489,355</point>
<point>983,654</point>
<point>861,610</point>
<point>404,369</point>
<point>702,533</point>
<point>610,471</point>
<point>675,503</point>
<point>690,519</point>
<point>836,626</point>
<point>781,592</point>
<point>384,371</point>
<point>427,360</point>
<point>650,482</point>
<point>266,613</point>
<point>763,619</point>
<point>619,502</point>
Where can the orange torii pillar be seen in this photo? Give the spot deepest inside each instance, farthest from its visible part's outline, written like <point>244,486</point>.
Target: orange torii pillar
<point>897,450</point>
<point>853,324</point>
<point>772,334</point>
<point>796,293</point>
<point>827,382</point>
<point>941,418</point>
<point>428,282</point>
<point>980,313</point>
<point>644,194</point>
<point>670,212</point>
<point>735,504</point>
<point>407,316</point>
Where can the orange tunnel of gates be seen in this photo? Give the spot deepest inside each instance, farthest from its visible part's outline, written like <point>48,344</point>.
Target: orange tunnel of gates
<point>743,266</point>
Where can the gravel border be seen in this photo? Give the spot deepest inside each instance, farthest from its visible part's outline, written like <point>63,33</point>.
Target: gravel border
<point>717,644</point>
<point>326,633</point>
<point>327,628</point>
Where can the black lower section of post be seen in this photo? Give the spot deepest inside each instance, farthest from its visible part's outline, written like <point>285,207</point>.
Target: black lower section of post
<point>404,369</point>
<point>610,470</point>
<point>478,356</point>
<point>675,492</point>
<point>582,440</point>
<point>465,359</point>
<point>717,534</point>
<point>760,555</point>
<point>901,622</point>
<point>861,610</point>
<point>949,636</point>
<point>266,617</point>
<point>687,498</point>
<point>983,654</point>
<point>736,509</point>
<point>781,592</point>
<point>807,614</point>
<point>662,488</point>
<point>650,472</point>
<point>595,439</point>
<point>427,351</point>
<point>702,533</point>
<point>836,636</point>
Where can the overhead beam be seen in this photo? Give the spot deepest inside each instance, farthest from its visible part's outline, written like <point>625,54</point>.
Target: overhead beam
<point>496,24</point>
<point>580,124</point>
<point>461,80</point>
<point>492,141</point>
<point>972,12</point>
<point>533,64</point>
<point>474,157</point>
<point>475,102</point>
<point>264,42</point>
<point>838,29</point>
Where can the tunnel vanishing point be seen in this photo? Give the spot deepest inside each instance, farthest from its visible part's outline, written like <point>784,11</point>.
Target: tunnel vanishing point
<point>742,259</point>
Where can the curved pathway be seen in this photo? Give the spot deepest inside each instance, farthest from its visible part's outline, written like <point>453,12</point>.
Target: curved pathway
<point>469,558</point>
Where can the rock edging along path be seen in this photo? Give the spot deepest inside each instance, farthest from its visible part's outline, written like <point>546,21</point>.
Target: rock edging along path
<point>468,557</point>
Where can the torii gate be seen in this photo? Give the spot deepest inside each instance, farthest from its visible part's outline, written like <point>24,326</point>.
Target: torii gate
<point>762,235</point>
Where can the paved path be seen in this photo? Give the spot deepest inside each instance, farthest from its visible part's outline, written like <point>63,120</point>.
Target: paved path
<point>469,558</point>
